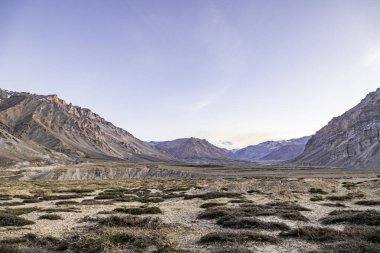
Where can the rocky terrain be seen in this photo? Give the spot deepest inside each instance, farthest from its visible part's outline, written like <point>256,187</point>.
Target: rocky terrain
<point>51,123</point>
<point>193,149</point>
<point>272,150</point>
<point>13,149</point>
<point>350,140</point>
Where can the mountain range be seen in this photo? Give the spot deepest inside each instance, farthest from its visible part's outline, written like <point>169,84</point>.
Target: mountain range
<point>272,150</point>
<point>46,129</point>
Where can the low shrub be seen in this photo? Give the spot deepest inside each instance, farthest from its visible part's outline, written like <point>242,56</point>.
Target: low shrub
<point>139,211</point>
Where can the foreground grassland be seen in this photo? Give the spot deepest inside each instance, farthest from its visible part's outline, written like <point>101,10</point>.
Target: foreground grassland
<point>267,214</point>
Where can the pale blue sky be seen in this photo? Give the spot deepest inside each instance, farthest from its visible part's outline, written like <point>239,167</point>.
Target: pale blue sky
<point>224,70</point>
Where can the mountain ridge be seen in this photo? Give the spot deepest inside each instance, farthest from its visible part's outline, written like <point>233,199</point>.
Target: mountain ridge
<point>77,132</point>
<point>349,140</point>
<point>193,149</point>
<point>272,150</point>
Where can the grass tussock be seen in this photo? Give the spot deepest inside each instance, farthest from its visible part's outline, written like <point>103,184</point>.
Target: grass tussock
<point>317,191</point>
<point>213,195</point>
<point>341,205</point>
<point>240,201</point>
<point>368,202</point>
<point>61,210</point>
<point>74,190</point>
<point>5,197</point>
<point>130,221</point>
<point>254,191</point>
<point>130,239</point>
<point>349,196</point>
<point>13,203</point>
<point>287,206</point>
<point>66,203</point>
<point>314,234</point>
<point>229,237</point>
<point>62,197</point>
<point>211,204</point>
<point>369,217</point>
<point>95,202</point>
<point>290,211</point>
<point>216,212</point>
<point>251,223</point>
<point>350,246</point>
<point>316,198</point>
<point>139,210</point>
<point>50,217</point>
<point>13,220</point>
<point>19,211</point>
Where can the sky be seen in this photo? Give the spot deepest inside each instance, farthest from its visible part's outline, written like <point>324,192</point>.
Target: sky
<point>234,72</point>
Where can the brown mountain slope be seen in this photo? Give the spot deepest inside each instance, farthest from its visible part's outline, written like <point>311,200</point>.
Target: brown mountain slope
<point>13,149</point>
<point>350,140</point>
<point>193,149</point>
<point>77,132</point>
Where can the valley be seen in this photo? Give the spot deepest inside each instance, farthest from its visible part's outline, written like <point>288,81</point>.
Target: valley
<point>189,214</point>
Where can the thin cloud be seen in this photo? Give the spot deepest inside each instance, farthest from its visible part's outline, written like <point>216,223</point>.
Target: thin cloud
<point>210,99</point>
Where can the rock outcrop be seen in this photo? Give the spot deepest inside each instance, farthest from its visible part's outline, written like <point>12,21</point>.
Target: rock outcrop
<point>350,140</point>
<point>74,131</point>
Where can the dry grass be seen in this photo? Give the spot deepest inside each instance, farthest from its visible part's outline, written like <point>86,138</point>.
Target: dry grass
<point>139,211</point>
<point>250,223</point>
<point>229,237</point>
<point>211,204</point>
<point>213,195</point>
<point>368,202</point>
<point>50,217</point>
<point>369,217</point>
<point>7,220</point>
<point>315,234</point>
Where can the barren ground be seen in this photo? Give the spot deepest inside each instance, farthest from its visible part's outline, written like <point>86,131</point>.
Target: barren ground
<point>256,214</point>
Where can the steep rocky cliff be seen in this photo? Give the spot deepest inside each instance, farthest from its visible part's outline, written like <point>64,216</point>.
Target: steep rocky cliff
<point>350,140</point>
<point>77,132</point>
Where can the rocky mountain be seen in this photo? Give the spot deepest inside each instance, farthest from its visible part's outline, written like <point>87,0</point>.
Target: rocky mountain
<point>272,150</point>
<point>193,149</point>
<point>350,140</point>
<point>51,123</point>
<point>13,149</point>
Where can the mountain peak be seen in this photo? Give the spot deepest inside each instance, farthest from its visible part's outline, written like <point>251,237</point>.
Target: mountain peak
<point>193,149</point>
<point>78,132</point>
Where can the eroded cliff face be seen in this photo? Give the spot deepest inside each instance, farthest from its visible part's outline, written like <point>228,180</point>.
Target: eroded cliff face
<point>350,140</point>
<point>77,132</point>
<point>79,173</point>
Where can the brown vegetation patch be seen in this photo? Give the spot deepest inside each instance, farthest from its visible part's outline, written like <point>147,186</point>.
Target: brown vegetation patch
<point>229,237</point>
<point>369,217</point>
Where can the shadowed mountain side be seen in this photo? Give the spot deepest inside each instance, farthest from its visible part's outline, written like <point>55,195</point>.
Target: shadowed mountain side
<point>350,140</point>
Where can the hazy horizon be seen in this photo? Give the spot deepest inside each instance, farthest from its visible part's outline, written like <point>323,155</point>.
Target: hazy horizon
<point>235,73</point>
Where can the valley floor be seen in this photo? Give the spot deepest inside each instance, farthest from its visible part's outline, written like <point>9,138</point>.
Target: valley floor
<point>260,214</point>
